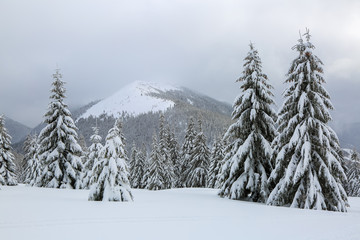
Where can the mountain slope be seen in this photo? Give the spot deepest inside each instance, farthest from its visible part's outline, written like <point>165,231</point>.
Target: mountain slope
<point>349,135</point>
<point>143,97</point>
<point>139,105</point>
<point>134,99</point>
<point>17,130</point>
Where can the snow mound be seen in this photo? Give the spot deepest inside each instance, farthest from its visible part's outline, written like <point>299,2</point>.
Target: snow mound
<point>134,99</point>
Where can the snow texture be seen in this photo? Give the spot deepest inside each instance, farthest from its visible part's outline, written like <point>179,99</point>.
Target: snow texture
<point>176,214</point>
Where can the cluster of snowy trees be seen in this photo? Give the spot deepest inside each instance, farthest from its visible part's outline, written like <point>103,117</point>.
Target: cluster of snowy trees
<point>290,159</point>
<point>55,158</point>
<point>168,165</point>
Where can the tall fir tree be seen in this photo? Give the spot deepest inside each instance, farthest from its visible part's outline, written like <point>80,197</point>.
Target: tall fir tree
<point>174,157</point>
<point>216,157</point>
<point>186,151</point>
<point>308,172</point>
<point>7,165</point>
<point>132,161</point>
<point>111,170</point>
<point>247,161</point>
<point>146,174</point>
<point>138,169</point>
<point>92,157</point>
<point>59,151</point>
<point>155,179</point>
<point>353,175</point>
<point>33,168</point>
<point>165,153</point>
<point>199,162</point>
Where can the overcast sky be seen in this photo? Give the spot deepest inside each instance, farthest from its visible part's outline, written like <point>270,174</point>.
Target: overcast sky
<point>101,46</point>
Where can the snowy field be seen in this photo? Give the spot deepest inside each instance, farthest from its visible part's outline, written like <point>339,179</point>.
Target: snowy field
<point>40,213</point>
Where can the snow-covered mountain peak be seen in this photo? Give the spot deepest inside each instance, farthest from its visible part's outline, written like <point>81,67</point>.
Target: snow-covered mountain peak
<point>134,99</point>
<point>151,87</point>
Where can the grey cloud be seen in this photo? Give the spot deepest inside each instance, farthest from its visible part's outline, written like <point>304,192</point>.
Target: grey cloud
<point>101,46</point>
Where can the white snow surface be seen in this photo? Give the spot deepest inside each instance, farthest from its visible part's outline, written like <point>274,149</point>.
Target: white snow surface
<point>44,213</point>
<point>133,99</point>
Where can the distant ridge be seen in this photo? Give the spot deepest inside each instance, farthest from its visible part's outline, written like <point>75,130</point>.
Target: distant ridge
<point>134,99</point>
<point>17,130</point>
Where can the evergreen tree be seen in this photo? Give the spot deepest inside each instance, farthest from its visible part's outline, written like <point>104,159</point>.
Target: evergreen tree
<point>186,151</point>
<point>308,171</point>
<point>133,161</point>
<point>33,167</point>
<point>138,169</point>
<point>82,143</point>
<point>165,153</point>
<point>59,151</point>
<point>146,174</point>
<point>247,157</point>
<point>199,162</point>
<point>7,166</point>
<point>216,157</point>
<point>174,157</point>
<point>353,175</point>
<point>155,177</point>
<point>92,157</point>
<point>111,170</point>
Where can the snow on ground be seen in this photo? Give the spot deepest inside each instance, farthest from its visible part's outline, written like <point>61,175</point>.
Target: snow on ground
<point>40,213</point>
<point>133,99</point>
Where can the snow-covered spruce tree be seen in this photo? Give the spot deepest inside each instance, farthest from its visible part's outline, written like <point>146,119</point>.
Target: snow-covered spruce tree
<point>197,171</point>
<point>308,171</point>
<point>165,153</point>
<point>7,165</point>
<point>174,156</point>
<point>216,157</point>
<point>111,170</point>
<point>33,168</point>
<point>186,151</point>
<point>247,157</point>
<point>353,175</point>
<point>138,169</point>
<point>155,176</point>
<point>132,160</point>
<point>146,174</point>
<point>59,151</point>
<point>92,157</point>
